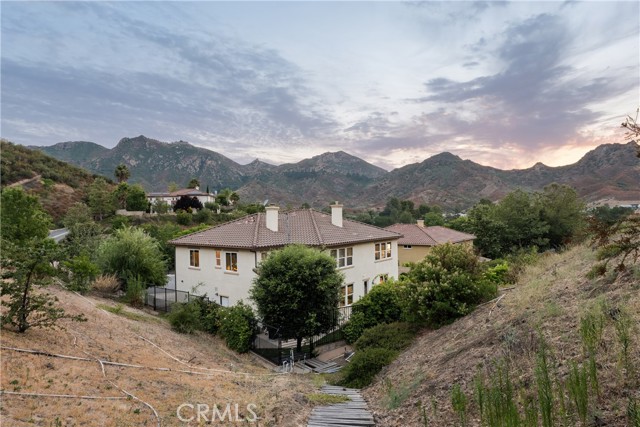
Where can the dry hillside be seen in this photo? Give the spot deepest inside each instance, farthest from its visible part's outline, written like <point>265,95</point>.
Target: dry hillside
<point>200,370</point>
<point>549,299</point>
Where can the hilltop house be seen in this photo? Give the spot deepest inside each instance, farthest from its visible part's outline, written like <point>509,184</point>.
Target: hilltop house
<point>418,240</point>
<point>223,258</point>
<point>172,198</point>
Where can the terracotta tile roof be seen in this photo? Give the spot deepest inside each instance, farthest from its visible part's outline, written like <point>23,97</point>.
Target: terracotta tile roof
<point>305,226</point>
<point>428,236</point>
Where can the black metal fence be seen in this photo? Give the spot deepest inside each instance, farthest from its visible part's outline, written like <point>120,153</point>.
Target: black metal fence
<point>270,344</point>
<point>161,299</point>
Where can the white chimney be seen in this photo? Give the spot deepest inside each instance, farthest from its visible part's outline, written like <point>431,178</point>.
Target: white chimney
<point>421,223</point>
<point>336,214</point>
<point>272,217</point>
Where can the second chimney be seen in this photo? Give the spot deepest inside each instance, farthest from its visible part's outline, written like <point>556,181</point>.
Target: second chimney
<point>421,223</point>
<point>272,217</point>
<point>336,214</point>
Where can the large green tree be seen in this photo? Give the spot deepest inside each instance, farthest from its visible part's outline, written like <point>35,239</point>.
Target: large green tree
<point>563,211</point>
<point>27,258</point>
<point>297,290</point>
<point>131,253</point>
<point>100,200</point>
<point>22,217</point>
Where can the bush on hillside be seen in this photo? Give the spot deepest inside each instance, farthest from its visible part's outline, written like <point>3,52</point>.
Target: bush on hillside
<point>381,304</point>
<point>446,285</point>
<point>183,217</point>
<point>130,253</point>
<point>365,365</point>
<point>185,317</point>
<point>238,327</point>
<point>202,216</point>
<point>355,326</point>
<point>391,336</point>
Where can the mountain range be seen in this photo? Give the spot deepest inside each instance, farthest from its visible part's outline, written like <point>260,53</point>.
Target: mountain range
<point>609,171</point>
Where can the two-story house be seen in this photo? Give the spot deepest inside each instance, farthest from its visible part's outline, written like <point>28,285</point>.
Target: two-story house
<point>222,259</point>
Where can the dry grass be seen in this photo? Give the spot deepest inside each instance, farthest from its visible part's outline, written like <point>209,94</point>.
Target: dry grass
<point>106,284</point>
<point>221,376</point>
<point>548,300</point>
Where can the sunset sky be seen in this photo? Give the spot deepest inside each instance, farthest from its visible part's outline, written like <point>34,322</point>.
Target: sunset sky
<point>503,84</point>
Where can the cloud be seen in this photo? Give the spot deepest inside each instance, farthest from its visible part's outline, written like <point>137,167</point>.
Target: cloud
<point>178,82</point>
<point>535,101</point>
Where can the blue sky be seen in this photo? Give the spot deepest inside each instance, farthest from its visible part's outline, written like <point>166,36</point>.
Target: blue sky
<point>503,84</point>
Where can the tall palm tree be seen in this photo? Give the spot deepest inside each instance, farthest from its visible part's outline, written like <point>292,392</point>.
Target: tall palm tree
<point>122,173</point>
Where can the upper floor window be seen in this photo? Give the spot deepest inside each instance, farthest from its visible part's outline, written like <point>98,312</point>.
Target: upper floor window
<point>383,250</point>
<point>406,246</point>
<point>232,261</point>
<point>343,256</point>
<point>194,258</point>
<point>218,259</point>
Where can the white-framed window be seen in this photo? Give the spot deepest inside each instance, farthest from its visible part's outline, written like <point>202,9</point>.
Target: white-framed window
<point>407,246</point>
<point>232,261</point>
<point>263,256</point>
<point>343,256</point>
<point>218,259</point>
<point>383,250</point>
<point>194,258</point>
<point>383,278</point>
<point>224,301</point>
<point>346,295</point>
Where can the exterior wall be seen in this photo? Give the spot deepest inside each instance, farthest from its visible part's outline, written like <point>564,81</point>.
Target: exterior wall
<point>218,282</point>
<point>415,254</point>
<point>365,267</point>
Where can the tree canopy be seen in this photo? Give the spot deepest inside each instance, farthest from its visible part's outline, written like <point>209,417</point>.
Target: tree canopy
<point>27,258</point>
<point>297,291</point>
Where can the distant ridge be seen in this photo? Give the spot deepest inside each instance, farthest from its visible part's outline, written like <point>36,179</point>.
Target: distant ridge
<point>609,171</point>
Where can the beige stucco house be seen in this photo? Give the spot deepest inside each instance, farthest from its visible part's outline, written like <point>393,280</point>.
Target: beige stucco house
<point>418,240</point>
<point>223,258</point>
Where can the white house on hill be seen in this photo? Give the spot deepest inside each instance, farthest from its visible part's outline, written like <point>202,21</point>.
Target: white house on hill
<point>223,258</point>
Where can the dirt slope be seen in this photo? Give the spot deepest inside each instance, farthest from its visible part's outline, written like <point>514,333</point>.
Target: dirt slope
<point>549,299</point>
<point>216,375</point>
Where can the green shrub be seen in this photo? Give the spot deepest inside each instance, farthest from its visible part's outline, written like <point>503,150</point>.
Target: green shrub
<point>185,317</point>
<point>130,252</point>
<point>202,216</point>
<point>446,285</point>
<point>380,305</point>
<point>354,328</point>
<point>134,294</point>
<point>365,365</point>
<point>391,336</point>
<point>183,217</point>
<point>210,314</point>
<point>120,221</point>
<point>238,327</point>
<point>82,273</point>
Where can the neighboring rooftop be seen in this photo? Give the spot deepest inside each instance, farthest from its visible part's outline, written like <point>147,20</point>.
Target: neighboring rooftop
<point>304,226</point>
<point>415,234</point>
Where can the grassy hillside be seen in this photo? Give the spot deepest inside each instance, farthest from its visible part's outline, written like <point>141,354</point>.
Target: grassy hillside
<point>172,369</point>
<point>549,301</point>
<point>58,184</point>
